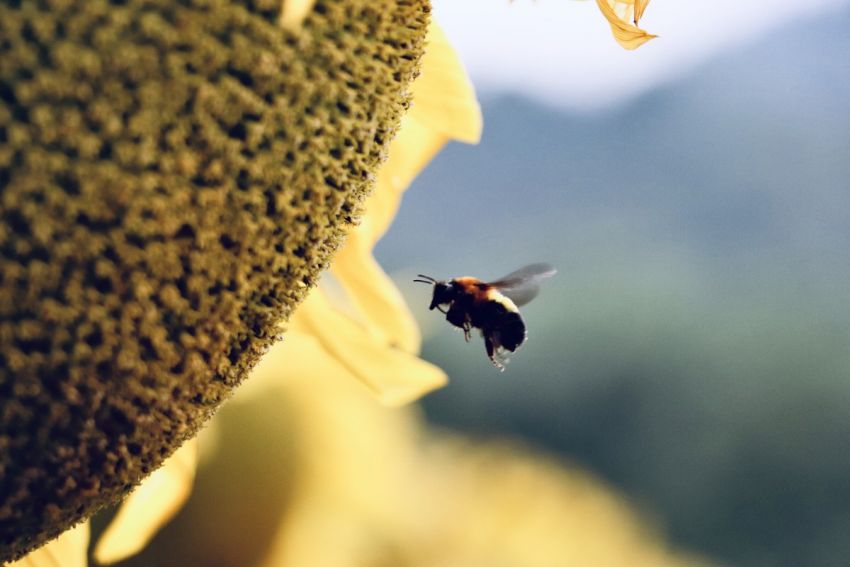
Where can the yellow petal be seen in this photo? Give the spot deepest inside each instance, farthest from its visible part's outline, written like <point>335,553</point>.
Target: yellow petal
<point>640,6</point>
<point>619,16</point>
<point>445,93</point>
<point>370,291</point>
<point>374,295</point>
<point>293,12</point>
<point>340,435</point>
<point>68,550</point>
<point>414,146</point>
<point>394,376</point>
<point>444,108</point>
<point>149,507</point>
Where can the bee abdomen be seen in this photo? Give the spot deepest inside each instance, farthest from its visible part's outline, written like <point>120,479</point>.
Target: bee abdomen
<point>512,331</point>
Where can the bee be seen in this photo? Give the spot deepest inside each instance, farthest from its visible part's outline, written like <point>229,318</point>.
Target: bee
<point>491,307</point>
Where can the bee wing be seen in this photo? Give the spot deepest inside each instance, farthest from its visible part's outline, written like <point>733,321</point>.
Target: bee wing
<point>523,285</point>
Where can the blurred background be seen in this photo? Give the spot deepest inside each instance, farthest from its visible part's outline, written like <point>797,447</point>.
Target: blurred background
<point>694,349</point>
<point>692,355</point>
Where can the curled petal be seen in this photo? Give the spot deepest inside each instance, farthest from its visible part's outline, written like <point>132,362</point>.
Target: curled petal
<point>640,6</point>
<point>375,297</point>
<point>394,376</point>
<point>149,507</point>
<point>68,550</point>
<point>620,15</point>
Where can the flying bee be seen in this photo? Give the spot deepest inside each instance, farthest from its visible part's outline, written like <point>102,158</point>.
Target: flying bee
<point>491,307</point>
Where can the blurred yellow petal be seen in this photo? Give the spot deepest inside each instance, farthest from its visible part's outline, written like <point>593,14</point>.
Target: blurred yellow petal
<point>68,550</point>
<point>354,457</point>
<point>149,507</point>
<point>620,15</point>
<point>394,376</point>
<point>470,494</point>
<point>293,12</point>
<point>435,499</point>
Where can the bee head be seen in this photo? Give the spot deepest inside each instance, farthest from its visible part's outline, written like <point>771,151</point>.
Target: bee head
<point>444,292</point>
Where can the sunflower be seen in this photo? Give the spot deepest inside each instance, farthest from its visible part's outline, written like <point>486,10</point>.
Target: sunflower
<point>375,340</point>
<point>361,330</point>
<point>176,175</point>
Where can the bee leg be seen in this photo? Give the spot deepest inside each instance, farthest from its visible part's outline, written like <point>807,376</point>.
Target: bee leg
<point>491,352</point>
<point>467,331</point>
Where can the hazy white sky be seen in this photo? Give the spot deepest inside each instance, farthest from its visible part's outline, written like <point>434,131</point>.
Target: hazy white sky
<point>561,51</point>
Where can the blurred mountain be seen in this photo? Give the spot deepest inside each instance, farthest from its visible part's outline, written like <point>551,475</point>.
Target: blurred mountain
<point>753,146</point>
<point>695,348</point>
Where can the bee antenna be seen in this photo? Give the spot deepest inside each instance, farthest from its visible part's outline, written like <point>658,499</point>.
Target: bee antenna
<point>425,279</point>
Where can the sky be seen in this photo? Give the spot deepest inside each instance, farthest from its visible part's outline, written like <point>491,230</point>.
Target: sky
<point>561,52</point>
